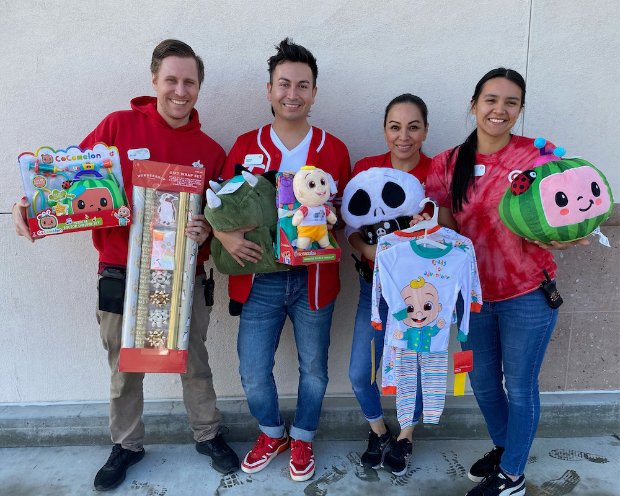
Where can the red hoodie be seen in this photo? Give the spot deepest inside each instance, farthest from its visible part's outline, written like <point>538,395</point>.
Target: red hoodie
<point>143,127</point>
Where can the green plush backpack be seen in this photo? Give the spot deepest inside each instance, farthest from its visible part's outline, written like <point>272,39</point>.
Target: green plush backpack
<point>560,199</point>
<point>245,200</point>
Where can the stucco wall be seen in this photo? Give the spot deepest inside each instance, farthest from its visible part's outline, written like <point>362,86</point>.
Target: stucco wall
<point>67,64</point>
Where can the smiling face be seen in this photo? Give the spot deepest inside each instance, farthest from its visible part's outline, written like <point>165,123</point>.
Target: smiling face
<point>311,187</point>
<point>404,134</point>
<point>573,196</point>
<point>423,305</point>
<point>497,108</point>
<point>176,85</point>
<point>291,91</point>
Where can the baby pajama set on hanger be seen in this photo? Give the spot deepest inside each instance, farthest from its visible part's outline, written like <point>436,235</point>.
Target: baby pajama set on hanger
<point>421,284</point>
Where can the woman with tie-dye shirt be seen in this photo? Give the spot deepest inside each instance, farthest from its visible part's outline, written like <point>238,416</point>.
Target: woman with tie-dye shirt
<point>510,335</point>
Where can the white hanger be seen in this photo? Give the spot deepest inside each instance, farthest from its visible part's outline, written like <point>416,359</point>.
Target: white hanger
<point>430,223</point>
<point>425,225</point>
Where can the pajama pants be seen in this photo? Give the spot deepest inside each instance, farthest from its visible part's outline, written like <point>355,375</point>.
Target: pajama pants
<point>434,370</point>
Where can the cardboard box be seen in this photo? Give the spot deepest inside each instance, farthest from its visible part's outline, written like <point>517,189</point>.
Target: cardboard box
<point>73,190</point>
<point>161,267</point>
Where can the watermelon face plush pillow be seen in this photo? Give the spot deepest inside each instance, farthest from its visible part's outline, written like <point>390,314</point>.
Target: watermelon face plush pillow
<point>563,199</point>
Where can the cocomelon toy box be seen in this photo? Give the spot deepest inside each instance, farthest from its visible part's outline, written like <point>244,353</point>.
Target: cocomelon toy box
<point>302,234</point>
<point>161,265</point>
<point>73,189</point>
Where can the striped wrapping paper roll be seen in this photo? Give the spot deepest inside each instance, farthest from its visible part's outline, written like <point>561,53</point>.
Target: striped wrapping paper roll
<point>177,275</point>
<point>130,308</point>
<point>189,271</point>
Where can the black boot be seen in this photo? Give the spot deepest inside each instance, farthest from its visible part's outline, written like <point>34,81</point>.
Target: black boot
<point>373,456</point>
<point>115,469</point>
<point>223,458</point>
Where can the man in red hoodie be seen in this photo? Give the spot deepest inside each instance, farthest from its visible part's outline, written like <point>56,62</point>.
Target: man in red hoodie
<point>164,128</point>
<point>306,295</point>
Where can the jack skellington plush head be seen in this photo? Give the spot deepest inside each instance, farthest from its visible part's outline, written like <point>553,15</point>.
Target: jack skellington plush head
<point>380,200</point>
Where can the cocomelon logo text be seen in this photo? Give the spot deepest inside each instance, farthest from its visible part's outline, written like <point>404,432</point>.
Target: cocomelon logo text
<point>76,158</point>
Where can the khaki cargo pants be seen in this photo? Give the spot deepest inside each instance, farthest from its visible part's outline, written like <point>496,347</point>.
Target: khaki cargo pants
<point>126,393</point>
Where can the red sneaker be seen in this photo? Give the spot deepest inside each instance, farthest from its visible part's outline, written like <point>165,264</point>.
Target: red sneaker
<point>265,449</point>
<point>302,460</point>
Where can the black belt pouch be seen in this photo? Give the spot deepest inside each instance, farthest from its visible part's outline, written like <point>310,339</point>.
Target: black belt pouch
<point>112,290</point>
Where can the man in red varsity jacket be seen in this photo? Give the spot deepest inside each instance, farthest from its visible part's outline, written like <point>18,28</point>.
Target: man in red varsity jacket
<point>305,294</point>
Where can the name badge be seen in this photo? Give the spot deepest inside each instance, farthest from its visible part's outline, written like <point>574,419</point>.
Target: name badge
<point>479,170</point>
<point>139,154</point>
<point>253,159</point>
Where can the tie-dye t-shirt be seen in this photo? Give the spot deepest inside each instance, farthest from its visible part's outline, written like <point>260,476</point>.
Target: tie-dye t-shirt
<point>508,265</point>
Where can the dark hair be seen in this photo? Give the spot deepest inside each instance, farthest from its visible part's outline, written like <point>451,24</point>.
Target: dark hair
<point>287,51</point>
<point>176,48</point>
<point>408,98</point>
<point>466,155</point>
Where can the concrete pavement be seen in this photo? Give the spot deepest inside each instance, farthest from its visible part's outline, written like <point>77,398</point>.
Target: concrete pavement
<point>557,466</point>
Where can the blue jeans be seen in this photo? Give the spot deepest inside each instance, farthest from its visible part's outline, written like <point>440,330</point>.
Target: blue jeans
<point>273,297</point>
<point>509,339</point>
<point>360,365</point>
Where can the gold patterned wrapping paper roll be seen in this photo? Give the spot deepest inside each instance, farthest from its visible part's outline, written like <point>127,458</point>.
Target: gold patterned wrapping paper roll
<point>179,266</point>
<point>145,269</point>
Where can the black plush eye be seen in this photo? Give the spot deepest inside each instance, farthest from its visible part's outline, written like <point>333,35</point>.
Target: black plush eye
<point>393,195</point>
<point>596,190</point>
<point>410,309</point>
<point>81,204</point>
<point>103,202</point>
<point>322,182</point>
<point>428,306</point>
<point>311,184</point>
<point>561,200</point>
<point>360,203</point>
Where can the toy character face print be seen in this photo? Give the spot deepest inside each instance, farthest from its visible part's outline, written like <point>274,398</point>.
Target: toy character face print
<point>422,302</point>
<point>48,221</point>
<point>380,194</point>
<point>124,211</point>
<point>93,200</point>
<point>573,196</point>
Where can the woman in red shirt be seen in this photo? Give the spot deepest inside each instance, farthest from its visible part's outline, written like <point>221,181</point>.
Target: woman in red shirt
<point>405,126</point>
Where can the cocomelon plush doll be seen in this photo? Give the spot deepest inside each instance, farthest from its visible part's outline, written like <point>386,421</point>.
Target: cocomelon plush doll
<point>556,199</point>
<point>379,201</point>
<point>312,187</point>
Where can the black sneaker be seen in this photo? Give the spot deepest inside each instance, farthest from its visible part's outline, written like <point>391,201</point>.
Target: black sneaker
<point>487,465</point>
<point>373,456</point>
<point>499,484</point>
<point>223,458</point>
<point>397,459</point>
<point>115,469</point>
